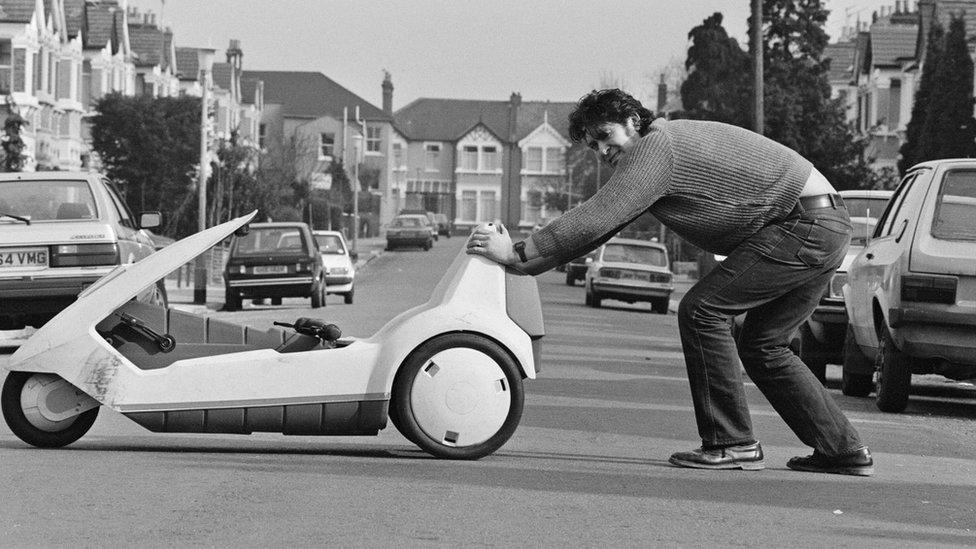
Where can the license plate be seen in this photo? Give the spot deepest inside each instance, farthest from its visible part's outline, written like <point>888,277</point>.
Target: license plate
<point>632,275</point>
<point>11,258</point>
<point>270,269</point>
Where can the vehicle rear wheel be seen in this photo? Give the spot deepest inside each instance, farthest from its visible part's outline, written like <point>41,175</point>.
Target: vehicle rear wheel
<point>428,245</point>
<point>457,396</point>
<point>232,300</point>
<point>660,305</point>
<point>811,354</point>
<point>894,369</point>
<point>25,401</point>
<point>347,297</point>
<point>570,279</point>
<point>854,381</point>
<point>592,299</point>
<point>276,301</point>
<point>318,295</point>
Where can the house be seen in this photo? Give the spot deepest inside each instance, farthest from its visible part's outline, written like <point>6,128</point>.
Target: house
<point>479,160</point>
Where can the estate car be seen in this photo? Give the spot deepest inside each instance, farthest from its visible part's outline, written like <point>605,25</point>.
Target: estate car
<point>338,261</point>
<point>630,270</point>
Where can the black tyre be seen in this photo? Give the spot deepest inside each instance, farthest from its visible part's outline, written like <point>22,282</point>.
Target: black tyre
<point>428,245</point>
<point>592,299</point>
<point>894,375</point>
<point>20,392</point>
<point>389,247</point>
<point>318,295</point>
<point>570,279</point>
<point>347,297</point>
<point>457,396</point>
<point>811,354</point>
<point>232,300</point>
<point>276,301</point>
<point>854,380</point>
<point>660,305</point>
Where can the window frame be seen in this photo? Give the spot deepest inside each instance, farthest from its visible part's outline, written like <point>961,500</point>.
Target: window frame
<point>326,146</point>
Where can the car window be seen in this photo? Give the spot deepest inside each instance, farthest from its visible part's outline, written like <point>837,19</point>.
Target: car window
<point>865,207</point>
<point>330,244</point>
<point>955,209</point>
<point>629,253</point>
<point>271,240</point>
<point>861,230</point>
<point>886,223</point>
<point>47,200</point>
<point>125,216</point>
<point>406,222</point>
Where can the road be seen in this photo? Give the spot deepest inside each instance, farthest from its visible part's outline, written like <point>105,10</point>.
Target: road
<point>587,466</point>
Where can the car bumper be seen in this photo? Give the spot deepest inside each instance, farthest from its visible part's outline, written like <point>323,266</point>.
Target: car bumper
<point>635,291</point>
<point>946,335</point>
<point>409,241</point>
<point>830,314</point>
<point>293,286</point>
<point>337,280</point>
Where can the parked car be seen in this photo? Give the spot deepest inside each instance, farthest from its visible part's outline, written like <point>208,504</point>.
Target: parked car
<point>911,292</point>
<point>59,233</point>
<point>818,342</point>
<point>339,262</point>
<point>444,224</point>
<point>274,260</point>
<point>409,230</point>
<point>576,269</point>
<point>630,270</point>
<point>431,220</point>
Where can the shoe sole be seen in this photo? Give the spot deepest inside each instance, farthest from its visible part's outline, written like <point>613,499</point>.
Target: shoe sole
<point>858,471</point>
<point>744,465</point>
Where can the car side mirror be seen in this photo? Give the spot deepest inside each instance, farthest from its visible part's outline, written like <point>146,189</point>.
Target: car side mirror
<point>353,255</point>
<point>243,230</point>
<point>150,220</point>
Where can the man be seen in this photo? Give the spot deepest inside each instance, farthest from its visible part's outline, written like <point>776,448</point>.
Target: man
<point>784,231</point>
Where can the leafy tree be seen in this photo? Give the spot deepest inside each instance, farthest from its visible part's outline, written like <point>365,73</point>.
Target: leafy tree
<point>717,86</point>
<point>151,146</point>
<point>233,183</point>
<point>950,130</point>
<point>911,148</point>
<point>13,144</point>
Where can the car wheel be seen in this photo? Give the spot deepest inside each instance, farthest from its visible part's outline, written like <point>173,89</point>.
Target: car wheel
<point>853,381</point>
<point>458,396</point>
<point>570,279</point>
<point>894,371</point>
<point>232,300</point>
<point>276,301</point>
<point>660,305</point>
<point>389,248</point>
<point>347,297</point>
<point>318,295</point>
<point>592,299</point>
<point>24,404</point>
<point>811,354</point>
<point>159,297</point>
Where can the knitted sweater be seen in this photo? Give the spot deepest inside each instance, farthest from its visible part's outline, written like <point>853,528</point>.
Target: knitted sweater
<point>713,184</point>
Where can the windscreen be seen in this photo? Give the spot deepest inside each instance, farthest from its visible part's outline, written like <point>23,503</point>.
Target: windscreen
<point>631,253</point>
<point>865,207</point>
<point>330,244</point>
<point>47,200</point>
<point>406,222</point>
<point>261,241</point>
<point>955,211</point>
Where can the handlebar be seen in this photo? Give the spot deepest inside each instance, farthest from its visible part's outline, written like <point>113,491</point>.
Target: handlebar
<point>315,328</point>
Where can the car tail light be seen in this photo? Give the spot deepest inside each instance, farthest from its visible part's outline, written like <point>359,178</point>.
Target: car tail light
<point>242,269</point>
<point>835,289</point>
<point>84,255</point>
<point>932,289</point>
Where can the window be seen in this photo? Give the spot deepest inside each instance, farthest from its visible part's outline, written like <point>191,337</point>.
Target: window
<point>894,104</point>
<point>469,158</point>
<point>326,145</point>
<point>887,222</point>
<point>36,68</point>
<point>554,160</point>
<point>262,135</point>
<point>372,139</point>
<point>398,155</point>
<point>532,159</point>
<point>487,206</point>
<point>469,206</point>
<point>955,211</point>
<point>432,154</point>
<point>6,66</point>
<point>86,82</point>
<point>490,159</point>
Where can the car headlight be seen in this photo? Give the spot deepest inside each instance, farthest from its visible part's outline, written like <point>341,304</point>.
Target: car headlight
<point>338,270</point>
<point>836,288</point>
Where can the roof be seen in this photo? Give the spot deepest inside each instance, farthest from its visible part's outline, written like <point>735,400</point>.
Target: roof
<point>17,11</point>
<point>312,95</point>
<point>841,56</point>
<point>223,73</point>
<point>891,44</point>
<point>187,64</point>
<point>149,45</point>
<point>450,119</point>
<point>102,24</point>
<point>248,88</point>
<point>74,16</point>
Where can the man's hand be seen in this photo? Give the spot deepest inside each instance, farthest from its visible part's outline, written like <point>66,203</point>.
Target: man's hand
<point>493,242</point>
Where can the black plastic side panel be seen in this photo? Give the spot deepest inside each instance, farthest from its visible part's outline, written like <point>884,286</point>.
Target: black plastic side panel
<point>523,304</point>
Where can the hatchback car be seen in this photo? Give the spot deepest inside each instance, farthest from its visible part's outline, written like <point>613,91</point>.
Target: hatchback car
<point>911,292</point>
<point>431,220</point>
<point>275,260</point>
<point>59,233</point>
<point>630,270</point>
<point>576,269</point>
<point>409,230</point>
<point>339,263</point>
<point>819,339</point>
<point>444,225</point>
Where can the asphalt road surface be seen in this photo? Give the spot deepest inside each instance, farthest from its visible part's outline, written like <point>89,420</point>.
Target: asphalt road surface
<point>587,466</point>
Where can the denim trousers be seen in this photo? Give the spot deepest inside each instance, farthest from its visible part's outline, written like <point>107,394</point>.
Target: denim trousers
<point>776,277</point>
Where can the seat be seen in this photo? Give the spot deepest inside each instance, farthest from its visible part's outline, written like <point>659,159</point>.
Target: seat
<point>74,210</point>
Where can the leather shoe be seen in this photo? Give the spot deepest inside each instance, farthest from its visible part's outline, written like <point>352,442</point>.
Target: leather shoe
<point>858,462</point>
<point>748,457</point>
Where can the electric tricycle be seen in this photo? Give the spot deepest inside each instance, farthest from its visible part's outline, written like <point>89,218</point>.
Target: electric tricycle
<point>448,373</point>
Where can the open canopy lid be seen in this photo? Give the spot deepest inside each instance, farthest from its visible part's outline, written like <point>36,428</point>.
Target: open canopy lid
<point>122,284</point>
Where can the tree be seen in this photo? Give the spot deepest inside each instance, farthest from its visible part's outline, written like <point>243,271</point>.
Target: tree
<point>13,144</point>
<point>151,146</point>
<point>911,152</point>
<point>232,186</point>
<point>950,130</point>
<point>717,86</point>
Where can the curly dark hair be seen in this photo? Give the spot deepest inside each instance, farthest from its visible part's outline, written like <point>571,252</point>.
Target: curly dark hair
<point>602,106</point>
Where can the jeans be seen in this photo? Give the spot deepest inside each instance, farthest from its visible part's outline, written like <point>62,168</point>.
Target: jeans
<point>776,278</point>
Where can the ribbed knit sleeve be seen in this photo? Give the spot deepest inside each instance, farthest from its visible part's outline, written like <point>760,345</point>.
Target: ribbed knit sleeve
<point>641,178</point>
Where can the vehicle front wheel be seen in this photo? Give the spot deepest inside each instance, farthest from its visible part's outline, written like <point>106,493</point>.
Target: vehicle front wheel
<point>457,396</point>
<point>25,400</point>
<point>232,300</point>
<point>347,297</point>
<point>660,305</point>
<point>894,369</point>
<point>592,299</point>
<point>570,279</point>
<point>855,381</point>
<point>318,295</point>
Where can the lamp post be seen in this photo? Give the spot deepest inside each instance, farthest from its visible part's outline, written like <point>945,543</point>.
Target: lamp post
<point>357,151</point>
<point>205,58</point>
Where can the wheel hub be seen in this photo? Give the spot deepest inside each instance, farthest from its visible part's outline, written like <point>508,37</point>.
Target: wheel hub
<point>51,404</point>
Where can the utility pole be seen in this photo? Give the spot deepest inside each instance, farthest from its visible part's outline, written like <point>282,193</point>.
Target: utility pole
<point>205,64</point>
<point>757,56</point>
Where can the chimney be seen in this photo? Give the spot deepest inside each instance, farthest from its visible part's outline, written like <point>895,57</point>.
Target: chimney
<point>387,92</point>
<point>662,96</point>
<point>234,53</point>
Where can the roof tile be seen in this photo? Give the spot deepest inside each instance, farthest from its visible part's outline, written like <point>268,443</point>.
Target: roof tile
<point>312,94</point>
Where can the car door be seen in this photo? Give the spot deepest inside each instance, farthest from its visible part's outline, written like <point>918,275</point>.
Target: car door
<point>873,270</point>
<point>134,244</point>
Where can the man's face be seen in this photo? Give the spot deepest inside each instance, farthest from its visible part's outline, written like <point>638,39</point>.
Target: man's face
<point>612,140</point>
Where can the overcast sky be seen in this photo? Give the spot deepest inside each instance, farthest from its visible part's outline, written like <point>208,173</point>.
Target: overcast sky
<point>485,49</point>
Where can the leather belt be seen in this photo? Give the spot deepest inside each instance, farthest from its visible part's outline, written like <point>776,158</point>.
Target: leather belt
<point>821,201</point>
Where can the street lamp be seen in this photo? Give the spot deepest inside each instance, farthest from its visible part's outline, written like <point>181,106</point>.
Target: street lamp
<point>357,152</point>
<point>205,59</point>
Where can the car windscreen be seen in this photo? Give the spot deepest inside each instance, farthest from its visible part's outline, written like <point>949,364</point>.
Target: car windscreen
<point>955,210</point>
<point>865,207</point>
<point>630,253</point>
<point>277,240</point>
<point>330,244</point>
<point>406,222</point>
<point>47,200</point>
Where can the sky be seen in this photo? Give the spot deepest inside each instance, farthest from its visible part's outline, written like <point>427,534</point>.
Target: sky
<point>553,50</point>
